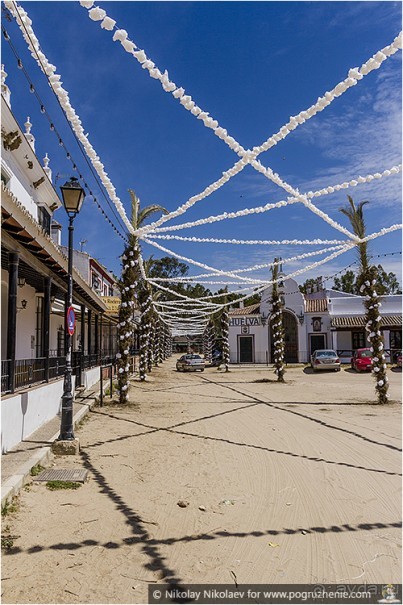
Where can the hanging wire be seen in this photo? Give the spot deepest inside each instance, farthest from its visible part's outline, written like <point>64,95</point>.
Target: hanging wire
<point>60,140</point>
<point>91,168</point>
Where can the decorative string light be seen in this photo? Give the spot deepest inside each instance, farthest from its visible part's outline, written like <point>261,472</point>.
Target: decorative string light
<point>247,156</point>
<point>60,139</point>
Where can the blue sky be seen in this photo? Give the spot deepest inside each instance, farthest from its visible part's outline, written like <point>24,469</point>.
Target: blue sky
<point>251,65</point>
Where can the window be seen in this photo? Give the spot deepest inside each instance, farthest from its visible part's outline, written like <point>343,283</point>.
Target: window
<point>5,178</point>
<point>44,219</point>
<point>396,340</point>
<point>359,340</point>
<point>96,284</point>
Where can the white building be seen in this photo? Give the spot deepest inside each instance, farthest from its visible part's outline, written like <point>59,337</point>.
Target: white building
<point>34,273</point>
<point>325,319</point>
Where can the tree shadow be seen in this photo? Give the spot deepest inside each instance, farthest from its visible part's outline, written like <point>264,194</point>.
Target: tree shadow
<point>139,538</point>
<point>275,405</point>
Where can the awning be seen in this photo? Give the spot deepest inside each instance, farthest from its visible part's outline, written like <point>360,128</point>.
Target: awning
<point>358,321</point>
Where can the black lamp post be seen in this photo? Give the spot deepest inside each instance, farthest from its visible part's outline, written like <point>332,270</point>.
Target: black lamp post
<point>73,197</point>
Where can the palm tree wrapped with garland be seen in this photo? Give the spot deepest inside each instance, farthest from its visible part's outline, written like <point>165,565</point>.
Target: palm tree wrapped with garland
<point>225,336</point>
<point>209,337</point>
<point>277,324</point>
<point>145,302</point>
<point>366,281</point>
<point>128,289</point>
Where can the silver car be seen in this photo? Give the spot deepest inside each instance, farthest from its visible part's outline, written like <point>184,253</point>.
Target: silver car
<point>325,359</point>
<point>190,363</point>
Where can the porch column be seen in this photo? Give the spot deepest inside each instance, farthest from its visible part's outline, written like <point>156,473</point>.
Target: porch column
<point>89,338</point>
<point>13,260</point>
<point>47,283</point>
<point>97,335</point>
<point>110,338</point>
<point>82,344</point>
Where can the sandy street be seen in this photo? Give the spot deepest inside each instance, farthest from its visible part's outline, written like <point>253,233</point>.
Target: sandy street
<point>297,483</point>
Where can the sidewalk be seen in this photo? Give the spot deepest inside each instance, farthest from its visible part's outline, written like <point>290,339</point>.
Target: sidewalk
<point>16,464</point>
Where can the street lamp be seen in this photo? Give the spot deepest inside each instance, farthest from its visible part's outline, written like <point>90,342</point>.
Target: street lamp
<point>73,197</point>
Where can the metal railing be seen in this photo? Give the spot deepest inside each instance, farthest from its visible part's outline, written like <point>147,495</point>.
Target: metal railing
<point>5,375</point>
<point>42,369</point>
<point>29,371</point>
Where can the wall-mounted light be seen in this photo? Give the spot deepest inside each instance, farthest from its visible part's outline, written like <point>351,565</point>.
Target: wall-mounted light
<point>23,305</point>
<point>21,282</point>
<point>301,318</point>
<point>52,300</point>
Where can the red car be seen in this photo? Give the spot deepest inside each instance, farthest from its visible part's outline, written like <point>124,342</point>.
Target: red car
<point>361,360</point>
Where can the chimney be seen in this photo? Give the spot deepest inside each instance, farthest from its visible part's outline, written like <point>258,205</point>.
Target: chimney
<point>241,304</point>
<point>5,91</point>
<point>30,137</point>
<point>46,168</point>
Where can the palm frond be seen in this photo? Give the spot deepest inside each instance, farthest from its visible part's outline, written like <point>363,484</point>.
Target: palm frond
<point>146,212</point>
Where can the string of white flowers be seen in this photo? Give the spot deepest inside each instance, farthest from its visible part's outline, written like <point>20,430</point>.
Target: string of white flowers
<point>194,262</point>
<point>98,14</point>
<point>356,181</point>
<point>225,216</point>
<point>354,75</point>
<point>267,283</point>
<point>256,267</point>
<point>383,231</point>
<point>181,312</point>
<point>25,25</point>
<point>275,178</point>
<point>156,231</point>
<point>252,242</point>
<point>257,290</point>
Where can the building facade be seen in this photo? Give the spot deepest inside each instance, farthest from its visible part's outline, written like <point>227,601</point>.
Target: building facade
<point>325,319</point>
<point>33,291</point>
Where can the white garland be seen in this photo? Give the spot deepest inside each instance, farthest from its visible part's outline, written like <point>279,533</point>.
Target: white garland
<point>24,23</point>
<point>252,242</point>
<point>248,156</point>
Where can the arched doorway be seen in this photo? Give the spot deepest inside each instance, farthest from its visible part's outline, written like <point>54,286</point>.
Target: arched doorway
<point>290,338</point>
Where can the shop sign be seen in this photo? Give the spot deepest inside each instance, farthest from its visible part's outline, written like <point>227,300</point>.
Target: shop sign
<point>245,321</point>
<point>113,304</point>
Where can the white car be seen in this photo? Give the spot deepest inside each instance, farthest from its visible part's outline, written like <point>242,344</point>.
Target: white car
<point>190,363</point>
<point>325,359</point>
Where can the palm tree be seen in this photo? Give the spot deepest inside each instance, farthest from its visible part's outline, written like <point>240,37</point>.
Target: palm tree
<point>129,286</point>
<point>277,324</point>
<point>366,281</point>
<point>355,214</point>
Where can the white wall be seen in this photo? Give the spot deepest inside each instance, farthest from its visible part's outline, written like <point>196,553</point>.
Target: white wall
<point>26,324</point>
<point>28,410</point>
<point>19,184</point>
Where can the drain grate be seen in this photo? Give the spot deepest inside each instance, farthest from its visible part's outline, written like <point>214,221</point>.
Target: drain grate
<point>63,474</point>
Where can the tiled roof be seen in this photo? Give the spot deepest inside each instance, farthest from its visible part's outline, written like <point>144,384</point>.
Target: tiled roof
<point>251,310</point>
<point>358,321</point>
<point>318,305</point>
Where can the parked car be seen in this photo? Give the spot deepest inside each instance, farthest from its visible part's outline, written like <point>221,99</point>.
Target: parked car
<point>361,360</point>
<point>325,359</point>
<point>190,363</point>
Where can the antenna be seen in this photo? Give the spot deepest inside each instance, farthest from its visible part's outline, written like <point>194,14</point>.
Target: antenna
<point>82,242</point>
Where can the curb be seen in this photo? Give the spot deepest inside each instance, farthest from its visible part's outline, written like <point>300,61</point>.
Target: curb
<point>14,484</point>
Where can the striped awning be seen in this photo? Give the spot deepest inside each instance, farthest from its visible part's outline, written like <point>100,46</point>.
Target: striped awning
<point>358,321</point>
